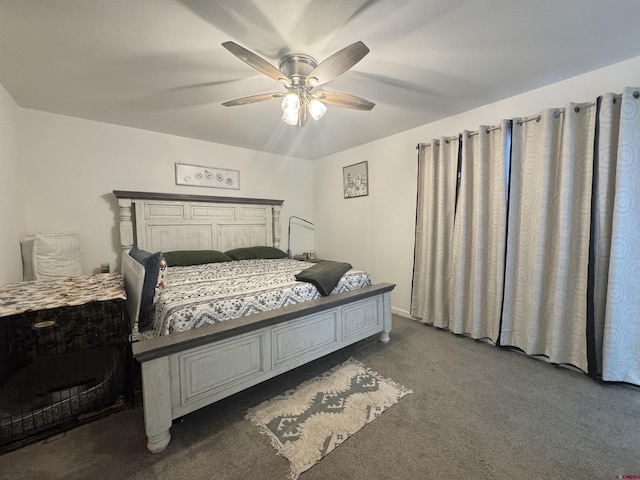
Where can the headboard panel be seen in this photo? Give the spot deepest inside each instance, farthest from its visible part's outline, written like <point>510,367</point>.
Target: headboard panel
<point>167,222</point>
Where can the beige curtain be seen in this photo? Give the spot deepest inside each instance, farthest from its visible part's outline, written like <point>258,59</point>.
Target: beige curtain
<point>617,247</point>
<point>480,233</point>
<point>545,304</point>
<point>603,202</point>
<point>437,178</point>
<point>572,263</point>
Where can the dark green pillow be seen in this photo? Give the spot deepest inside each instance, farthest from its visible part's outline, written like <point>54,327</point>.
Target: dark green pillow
<point>258,252</point>
<point>183,258</point>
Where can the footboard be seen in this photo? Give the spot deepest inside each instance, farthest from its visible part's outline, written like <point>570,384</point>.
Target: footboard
<point>189,370</point>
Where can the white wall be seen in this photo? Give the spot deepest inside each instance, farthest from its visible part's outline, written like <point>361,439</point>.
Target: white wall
<point>12,206</point>
<point>72,166</point>
<point>376,232</point>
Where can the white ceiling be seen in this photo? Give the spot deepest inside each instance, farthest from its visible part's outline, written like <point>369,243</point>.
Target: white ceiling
<point>158,64</point>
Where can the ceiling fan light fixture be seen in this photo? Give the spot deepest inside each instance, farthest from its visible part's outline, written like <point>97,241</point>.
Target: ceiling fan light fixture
<point>290,118</point>
<point>290,104</point>
<point>300,74</point>
<point>317,109</point>
<point>291,108</point>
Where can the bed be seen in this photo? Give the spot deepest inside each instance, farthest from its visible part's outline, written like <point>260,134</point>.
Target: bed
<point>190,368</point>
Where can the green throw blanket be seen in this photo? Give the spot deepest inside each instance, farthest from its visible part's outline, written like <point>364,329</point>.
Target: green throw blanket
<point>325,275</point>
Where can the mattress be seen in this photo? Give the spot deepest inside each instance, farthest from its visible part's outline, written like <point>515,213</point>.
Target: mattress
<point>199,295</point>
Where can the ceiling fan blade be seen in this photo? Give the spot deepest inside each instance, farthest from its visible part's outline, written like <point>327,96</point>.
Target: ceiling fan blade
<point>337,64</point>
<point>344,100</point>
<point>256,62</point>
<point>252,99</point>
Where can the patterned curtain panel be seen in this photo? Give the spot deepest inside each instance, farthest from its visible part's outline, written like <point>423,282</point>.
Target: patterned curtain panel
<point>545,304</point>
<point>603,201</point>
<point>480,233</point>
<point>437,178</point>
<point>619,182</point>
<point>539,250</point>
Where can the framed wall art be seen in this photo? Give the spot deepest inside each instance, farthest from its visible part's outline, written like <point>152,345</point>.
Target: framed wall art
<point>212,177</point>
<point>355,179</point>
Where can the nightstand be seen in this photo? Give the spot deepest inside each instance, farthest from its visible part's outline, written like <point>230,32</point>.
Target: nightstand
<point>302,258</point>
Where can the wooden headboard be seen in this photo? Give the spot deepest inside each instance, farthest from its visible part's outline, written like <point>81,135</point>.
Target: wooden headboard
<point>167,222</point>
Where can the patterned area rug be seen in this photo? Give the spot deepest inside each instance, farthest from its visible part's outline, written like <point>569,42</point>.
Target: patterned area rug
<point>308,422</point>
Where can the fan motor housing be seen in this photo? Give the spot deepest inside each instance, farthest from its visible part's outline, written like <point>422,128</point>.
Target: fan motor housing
<point>297,67</point>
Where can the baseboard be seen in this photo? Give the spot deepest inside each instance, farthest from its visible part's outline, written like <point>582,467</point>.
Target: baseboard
<point>402,313</point>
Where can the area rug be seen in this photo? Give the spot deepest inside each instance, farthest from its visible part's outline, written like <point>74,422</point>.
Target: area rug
<point>309,421</point>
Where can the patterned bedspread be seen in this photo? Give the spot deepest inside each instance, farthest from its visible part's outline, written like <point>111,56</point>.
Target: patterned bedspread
<point>211,293</point>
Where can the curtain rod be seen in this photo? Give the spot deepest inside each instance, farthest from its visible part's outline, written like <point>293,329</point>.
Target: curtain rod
<point>470,134</point>
<point>537,118</point>
<point>556,114</point>
<point>487,130</point>
<point>446,139</point>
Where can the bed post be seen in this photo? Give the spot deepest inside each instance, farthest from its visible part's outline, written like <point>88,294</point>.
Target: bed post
<point>126,224</point>
<point>157,403</point>
<point>276,225</point>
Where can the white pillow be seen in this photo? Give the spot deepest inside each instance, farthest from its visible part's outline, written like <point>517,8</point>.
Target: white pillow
<point>50,255</point>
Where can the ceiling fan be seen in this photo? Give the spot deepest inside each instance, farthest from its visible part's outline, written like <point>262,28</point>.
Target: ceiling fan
<point>300,75</point>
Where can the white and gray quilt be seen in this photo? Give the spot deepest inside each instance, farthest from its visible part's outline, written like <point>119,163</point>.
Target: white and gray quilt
<point>200,295</point>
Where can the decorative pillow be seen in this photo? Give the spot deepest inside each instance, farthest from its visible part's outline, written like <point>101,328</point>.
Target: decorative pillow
<point>151,264</point>
<point>183,258</point>
<point>250,253</point>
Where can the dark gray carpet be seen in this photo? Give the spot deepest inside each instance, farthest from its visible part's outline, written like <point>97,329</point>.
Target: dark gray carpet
<point>477,412</point>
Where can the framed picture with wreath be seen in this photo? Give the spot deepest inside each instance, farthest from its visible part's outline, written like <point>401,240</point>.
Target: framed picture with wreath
<point>355,179</point>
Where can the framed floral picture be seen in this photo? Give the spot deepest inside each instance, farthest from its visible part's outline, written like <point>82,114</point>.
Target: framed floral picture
<point>198,176</point>
<point>355,179</point>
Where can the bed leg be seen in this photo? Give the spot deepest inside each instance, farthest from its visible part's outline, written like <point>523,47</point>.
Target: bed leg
<point>386,320</point>
<point>157,443</point>
<point>157,403</point>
